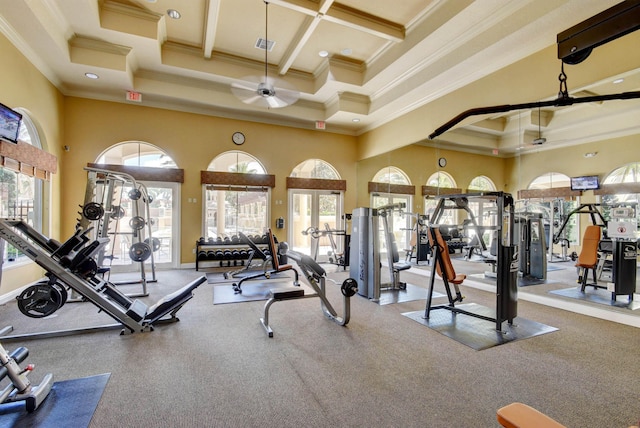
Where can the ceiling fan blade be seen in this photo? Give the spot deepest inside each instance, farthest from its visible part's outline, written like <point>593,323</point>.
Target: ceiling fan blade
<point>248,86</point>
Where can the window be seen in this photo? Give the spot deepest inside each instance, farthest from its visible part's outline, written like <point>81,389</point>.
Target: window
<point>629,173</point>
<point>164,205</point>
<point>399,222</point>
<point>440,179</point>
<point>556,210</point>
<point>229,208</point>
<point>20,194</point>
<point>318,204</point>
<point>484,212</point>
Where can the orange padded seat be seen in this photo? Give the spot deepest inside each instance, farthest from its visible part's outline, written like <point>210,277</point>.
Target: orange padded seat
<point>588,257</point>
<point>451,277</point>
<point>518,415</point>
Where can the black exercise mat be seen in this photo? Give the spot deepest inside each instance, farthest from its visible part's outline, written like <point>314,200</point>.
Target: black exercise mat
<point>70,403</point>
<point>475,332</point>
<point>599,295</point>
<point>409,294</point>
<point>251,291</point>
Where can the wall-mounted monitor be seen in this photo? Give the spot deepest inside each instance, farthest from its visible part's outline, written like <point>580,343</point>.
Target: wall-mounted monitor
<point>9,124</point>
<point>585,182</point>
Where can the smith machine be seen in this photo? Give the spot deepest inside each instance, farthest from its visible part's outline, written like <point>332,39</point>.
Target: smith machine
<point>507,257</point>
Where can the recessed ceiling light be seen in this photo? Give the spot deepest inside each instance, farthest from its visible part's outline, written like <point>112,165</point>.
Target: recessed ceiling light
<point>347,51</point>
<point>91,75</point>
<point>323,54</point>
<point>618,81</point>
<point>173,14</point>
<point>355,120</point>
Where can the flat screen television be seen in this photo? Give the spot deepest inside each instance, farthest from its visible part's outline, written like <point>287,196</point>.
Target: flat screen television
<point>9,124</point>
<point>585,182</point>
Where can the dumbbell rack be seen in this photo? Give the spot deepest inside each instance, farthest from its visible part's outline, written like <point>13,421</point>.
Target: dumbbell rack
<point>226,252</point>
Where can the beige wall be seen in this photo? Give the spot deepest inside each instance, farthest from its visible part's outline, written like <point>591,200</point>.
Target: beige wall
<point>193,141</point>
<point>420,162</point>
<point>520,171</point>
<point>22,85</point>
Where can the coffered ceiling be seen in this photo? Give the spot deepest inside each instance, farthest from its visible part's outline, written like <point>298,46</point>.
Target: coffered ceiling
<point>382,59</point>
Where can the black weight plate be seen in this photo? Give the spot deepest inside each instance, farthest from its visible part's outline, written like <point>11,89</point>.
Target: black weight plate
<point>118,212</point>
<point>39,301</point>
<point>140,251</point>
<point>135,194</point>
<point>93,211</point>
<point>136,223</point>
<point>154,243</point>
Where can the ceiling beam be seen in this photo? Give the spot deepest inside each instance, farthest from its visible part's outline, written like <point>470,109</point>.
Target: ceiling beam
<point>347,17</point>
<point>212,11</point>
<point>303,36</point>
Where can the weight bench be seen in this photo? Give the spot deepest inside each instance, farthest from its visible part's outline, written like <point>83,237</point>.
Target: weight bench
<point>275,263</point>
<point>518,415</point>
<point>316,277</point>
<point>172,303</point>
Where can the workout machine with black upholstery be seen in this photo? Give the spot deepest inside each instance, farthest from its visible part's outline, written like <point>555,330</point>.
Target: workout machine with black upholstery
<point>272,257</point>
<point>71,264</point>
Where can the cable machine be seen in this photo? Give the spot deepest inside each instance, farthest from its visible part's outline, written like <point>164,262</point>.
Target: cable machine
<point>507,261</point>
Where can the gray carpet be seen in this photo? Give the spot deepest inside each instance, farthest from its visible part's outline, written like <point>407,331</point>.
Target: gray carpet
<point>217,367</point>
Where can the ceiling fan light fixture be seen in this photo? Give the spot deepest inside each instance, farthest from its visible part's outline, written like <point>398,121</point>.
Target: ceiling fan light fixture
<point>261,91</point>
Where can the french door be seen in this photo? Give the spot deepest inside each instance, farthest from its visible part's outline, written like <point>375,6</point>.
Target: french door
<point>316,217</point>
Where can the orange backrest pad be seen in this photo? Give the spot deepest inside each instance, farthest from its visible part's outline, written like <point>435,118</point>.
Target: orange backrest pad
<point>444,253</point>
<point>589,254</point>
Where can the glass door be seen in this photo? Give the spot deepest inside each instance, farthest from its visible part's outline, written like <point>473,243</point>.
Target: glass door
<point>316,219</point>
<point>399,222</point>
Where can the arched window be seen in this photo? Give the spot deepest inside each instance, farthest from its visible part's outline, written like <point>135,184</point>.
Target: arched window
<point>391,175</point>
<point>440,179</point>
<point>164,207</point>
<point>232,208</point>
<point>555,210</point>
<point>315,168</point>
<point>399,222</point>
<point>483,211</point>
<point>21,195</point>
<point>316,200</point>
<point>629,173</point>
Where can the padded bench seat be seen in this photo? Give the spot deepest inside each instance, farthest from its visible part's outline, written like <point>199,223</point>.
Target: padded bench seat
<point>287,293</point>
<point>518,415</point>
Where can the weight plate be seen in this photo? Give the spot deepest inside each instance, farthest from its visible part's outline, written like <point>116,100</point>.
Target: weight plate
<point>349,287</point>
<point>63,292</point>
<point>154,243</point>
<point>93,211</point>
<point>39,301</point>
<point>136,223</point>
<point>118,212</point>
<point>135,194</point>
<point>140,251</point>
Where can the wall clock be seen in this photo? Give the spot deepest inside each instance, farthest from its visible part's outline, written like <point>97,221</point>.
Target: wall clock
<point>442,162</point>
<point>238,138</point>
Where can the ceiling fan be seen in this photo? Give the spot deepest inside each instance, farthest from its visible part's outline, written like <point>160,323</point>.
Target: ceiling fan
<point>264,91</point>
